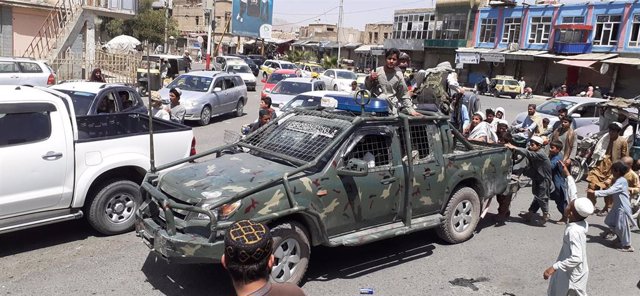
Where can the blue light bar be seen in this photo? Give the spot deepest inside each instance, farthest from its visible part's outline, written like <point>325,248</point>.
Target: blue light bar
<point>348,103</point>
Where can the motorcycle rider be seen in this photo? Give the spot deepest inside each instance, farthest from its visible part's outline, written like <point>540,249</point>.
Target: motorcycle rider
<point>388,82</point>
<point>531,124</point>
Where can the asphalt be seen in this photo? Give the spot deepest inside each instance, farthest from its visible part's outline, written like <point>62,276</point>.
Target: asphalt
<point>71,259</point>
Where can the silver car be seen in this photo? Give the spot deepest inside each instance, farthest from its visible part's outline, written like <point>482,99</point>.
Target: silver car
<point>209,93</point>
<point>26,71</point>
<point>582,109</point>
<point>288,88</point>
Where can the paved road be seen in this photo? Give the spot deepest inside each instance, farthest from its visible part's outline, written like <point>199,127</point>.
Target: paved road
<point>71,259</point>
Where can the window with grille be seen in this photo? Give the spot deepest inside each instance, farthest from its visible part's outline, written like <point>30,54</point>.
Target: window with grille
<point>540,30</point>
<point>511,32</point>
<point>607,30</point>
<point>452,26</point>
<point>419,139</point>
<point>573,20</point>
<point>373,149</point>
<point>488,30</point>
<point>634,41</point>
<point>415,26</point>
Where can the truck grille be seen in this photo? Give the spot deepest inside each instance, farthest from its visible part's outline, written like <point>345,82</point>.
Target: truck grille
<point>177,213</point>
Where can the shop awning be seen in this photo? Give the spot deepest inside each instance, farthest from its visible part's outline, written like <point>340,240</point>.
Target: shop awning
<point>578,63</point>
<point>353,45</point>
<point>584,56</point>
<point>623,61</point>
<point>363,49</point>
<point>330,44</point>
<point>473,49</point>
<point>523,55</point>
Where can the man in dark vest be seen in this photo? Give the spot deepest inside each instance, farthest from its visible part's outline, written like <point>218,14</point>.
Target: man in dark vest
<point>435,88</point>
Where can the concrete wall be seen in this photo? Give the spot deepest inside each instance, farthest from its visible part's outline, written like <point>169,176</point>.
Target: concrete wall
<point>26,23</point>
<point>370,31</point>
<point>190,19</point>
<point>6,31</point>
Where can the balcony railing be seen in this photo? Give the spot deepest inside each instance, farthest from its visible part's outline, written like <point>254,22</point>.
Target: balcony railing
<point>571,48</point>
<point>454,43</point>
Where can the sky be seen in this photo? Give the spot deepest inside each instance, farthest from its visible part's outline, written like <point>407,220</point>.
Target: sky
<point>357,13</point>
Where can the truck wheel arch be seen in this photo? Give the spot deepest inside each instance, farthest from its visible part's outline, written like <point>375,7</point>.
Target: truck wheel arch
<point>473,183</point>
<point>131,173</point>
<point>316,234</point>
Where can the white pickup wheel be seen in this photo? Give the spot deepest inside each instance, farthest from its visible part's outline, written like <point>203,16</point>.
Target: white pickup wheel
<point>112,209</point>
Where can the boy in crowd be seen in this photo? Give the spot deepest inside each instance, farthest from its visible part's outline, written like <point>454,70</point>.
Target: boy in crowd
<point>559,181</point>
<point>570,273</point>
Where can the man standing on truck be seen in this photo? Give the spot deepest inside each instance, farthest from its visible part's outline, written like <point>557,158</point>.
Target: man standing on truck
<point>248,248</point>
<point>437,88</point>
<point>539,170</point>
<point>388,82</point>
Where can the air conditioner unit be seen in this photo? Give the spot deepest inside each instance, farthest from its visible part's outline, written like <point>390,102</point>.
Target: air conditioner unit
<point>513,46</point>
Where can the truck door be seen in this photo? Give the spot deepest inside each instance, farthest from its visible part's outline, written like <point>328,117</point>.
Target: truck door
<point>374,198</point>
<point>37,162</point>
<point>426,187</point>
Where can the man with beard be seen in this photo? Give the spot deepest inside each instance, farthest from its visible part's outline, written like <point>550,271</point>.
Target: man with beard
<point>539,170</point>
<point>532,123</point>
<point>564,133</point>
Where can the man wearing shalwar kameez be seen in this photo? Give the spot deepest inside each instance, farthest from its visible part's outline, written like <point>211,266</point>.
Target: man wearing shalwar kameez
<point>570,272</point>
<point>619,218</point>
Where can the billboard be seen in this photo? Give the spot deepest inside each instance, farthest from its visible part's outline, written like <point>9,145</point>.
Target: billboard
<point>252,18</point>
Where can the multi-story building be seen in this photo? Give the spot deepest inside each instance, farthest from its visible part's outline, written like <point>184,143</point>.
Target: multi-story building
<point>322,39</point>
<point>376,33</point>
<point>550,45</point>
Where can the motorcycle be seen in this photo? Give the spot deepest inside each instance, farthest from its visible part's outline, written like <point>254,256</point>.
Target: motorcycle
<point>583,161</point>
<point>527,94</point>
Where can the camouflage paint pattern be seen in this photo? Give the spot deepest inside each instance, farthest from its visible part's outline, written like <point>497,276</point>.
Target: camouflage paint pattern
<point>338,203</point>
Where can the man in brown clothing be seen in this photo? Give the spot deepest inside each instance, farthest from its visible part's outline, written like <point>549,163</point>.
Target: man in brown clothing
<point>608,150</point>
<point>248,256</point>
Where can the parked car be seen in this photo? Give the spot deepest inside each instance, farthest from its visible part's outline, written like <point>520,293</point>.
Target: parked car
<point>274,78</point>
<point>255,69</point>
<point>59,166</point>
<point>270,66</point>
<point>360,78</point>
<point>209,93</point>
<point>243,71</point>
<point>338,79</point>
<point>25,71</point>
<point>258,59</point>
<point>505,85</point>
<point>324,178</point>
<point>220,62</point>
<point>308,69</point>
<point>96,97</point>
<point>288,88</point>
<point>583,110</point>
<point>177,64</point>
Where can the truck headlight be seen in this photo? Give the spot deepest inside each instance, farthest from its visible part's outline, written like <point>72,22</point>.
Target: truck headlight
<point>227,210</point>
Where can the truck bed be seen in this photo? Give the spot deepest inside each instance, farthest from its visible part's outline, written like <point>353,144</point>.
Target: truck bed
<point>102,127</point>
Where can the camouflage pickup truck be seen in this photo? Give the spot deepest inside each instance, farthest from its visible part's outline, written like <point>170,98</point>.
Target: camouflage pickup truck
<point>319,177</point>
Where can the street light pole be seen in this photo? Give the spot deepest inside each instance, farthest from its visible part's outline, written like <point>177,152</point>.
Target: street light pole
<point>166,25</point>
<point>212,20</point>
<point>339,25</point>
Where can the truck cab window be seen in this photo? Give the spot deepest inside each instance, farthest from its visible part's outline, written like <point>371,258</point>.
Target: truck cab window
<point>374,149</point>
<point>25,128</point>
<point>420,148</point>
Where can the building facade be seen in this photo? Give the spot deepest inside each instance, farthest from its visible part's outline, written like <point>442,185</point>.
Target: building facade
<point>550,45</point>
<point>376,33</point>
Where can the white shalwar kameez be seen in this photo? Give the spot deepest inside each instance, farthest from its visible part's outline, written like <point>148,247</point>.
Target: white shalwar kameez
<point>572,270</point>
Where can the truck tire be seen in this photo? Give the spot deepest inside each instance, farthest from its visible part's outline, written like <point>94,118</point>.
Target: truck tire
<point>461,216</point>
<point>112,209</point>
<point>292,251</point>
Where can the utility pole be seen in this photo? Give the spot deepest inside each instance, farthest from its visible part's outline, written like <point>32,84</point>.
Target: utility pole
<point>339,26</point>
<point>166,25</point>
<point>212,25</point>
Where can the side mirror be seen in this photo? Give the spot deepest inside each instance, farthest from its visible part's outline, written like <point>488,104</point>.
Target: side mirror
<point>217,89</point>
<point>576,115</point>
<point>355,167</point>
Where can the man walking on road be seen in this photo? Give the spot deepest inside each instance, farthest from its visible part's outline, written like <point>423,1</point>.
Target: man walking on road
<point>539,170</point>
<point>570,273</point>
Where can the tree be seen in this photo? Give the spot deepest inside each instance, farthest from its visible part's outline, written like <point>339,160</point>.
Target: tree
<point>148,25</point>
<point>296,56</point>
<point>329,62</point>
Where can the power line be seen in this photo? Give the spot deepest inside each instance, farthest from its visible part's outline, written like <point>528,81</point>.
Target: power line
<point>304,20</point>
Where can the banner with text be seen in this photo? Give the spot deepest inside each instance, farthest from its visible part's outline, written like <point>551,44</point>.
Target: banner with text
<point>252,18</point>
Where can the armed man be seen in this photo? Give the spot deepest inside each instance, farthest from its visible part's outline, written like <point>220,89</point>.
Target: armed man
<point>437,88</point>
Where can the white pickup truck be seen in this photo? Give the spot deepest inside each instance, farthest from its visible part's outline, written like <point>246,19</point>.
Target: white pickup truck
<point>55,166</point>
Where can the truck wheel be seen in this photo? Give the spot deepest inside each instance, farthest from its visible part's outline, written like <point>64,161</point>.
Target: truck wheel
<point>513,97</point>
<point>461,216</point>
<point>205,116</point>
<point>239,108</point>
<point>291,250</point>
<point>112,210</point>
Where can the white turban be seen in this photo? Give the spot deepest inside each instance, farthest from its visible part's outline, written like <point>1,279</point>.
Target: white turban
<point>537,140</point>
<point>584,206</point>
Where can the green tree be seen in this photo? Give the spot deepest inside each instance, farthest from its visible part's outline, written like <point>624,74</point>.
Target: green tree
<point>329,62</point>
<point>296,56</point>
<point>148,25</point>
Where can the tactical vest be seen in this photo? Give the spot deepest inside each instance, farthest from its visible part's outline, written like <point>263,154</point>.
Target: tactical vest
<point>433,90</point>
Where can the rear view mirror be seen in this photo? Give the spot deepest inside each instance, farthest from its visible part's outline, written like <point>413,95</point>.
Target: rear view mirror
<point>217,89</point>
<point>355,167</point>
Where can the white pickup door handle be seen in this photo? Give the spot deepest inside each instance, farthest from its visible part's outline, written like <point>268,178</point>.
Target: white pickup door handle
<point>51,155</point>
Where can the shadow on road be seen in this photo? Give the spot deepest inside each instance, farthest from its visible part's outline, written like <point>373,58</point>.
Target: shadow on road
<point>45,236</point>
<point>186,279</point>
<point>352,262</point>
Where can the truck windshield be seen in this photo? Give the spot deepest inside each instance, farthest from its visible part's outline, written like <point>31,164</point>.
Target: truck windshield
<point>301,137</point>
<point>81,100</point>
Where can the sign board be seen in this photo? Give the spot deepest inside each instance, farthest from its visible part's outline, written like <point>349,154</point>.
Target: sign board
<point>252,18</point>
<point>459,66</point>
<point>377,51</point>
<point>493,57</point>
<point>468,58</point>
